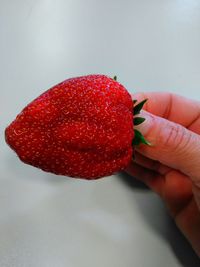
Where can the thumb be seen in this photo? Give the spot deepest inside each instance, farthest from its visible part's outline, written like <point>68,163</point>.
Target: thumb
<point>172,145</point>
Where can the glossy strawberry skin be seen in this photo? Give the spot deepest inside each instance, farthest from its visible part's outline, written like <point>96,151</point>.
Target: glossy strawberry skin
<point>82,127</point>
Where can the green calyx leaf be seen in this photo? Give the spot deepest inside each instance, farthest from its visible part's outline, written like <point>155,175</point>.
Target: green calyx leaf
<point>115,78</point>
<point>138,107</point>
<point>139,139</point>
<point>138,120</point>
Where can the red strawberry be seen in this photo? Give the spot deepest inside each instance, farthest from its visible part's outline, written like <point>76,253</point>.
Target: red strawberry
<point>82,127</point>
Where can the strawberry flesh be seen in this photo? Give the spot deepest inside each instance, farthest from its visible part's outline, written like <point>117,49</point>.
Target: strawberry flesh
<point>82,127</point>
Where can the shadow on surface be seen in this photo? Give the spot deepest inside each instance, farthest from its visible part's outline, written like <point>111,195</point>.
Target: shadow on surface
<point>155,214</point>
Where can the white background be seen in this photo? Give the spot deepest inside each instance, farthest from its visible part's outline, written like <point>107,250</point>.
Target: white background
<point>50,221</point>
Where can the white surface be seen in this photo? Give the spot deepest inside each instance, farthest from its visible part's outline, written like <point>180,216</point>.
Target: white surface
<point>52,221</point>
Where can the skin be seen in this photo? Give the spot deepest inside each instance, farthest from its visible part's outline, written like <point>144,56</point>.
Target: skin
<point>171,165</point>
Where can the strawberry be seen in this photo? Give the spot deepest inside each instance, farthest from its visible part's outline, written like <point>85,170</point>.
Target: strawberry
<point>82,127</point>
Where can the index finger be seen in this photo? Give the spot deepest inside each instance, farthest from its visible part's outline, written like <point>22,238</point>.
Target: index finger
<point>170,106</point>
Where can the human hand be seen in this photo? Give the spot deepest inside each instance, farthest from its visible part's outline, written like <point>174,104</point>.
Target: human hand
<point>171,166</point>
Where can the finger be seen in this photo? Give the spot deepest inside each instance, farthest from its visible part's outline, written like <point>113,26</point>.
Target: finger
<point>177,191</point>
<point>196,190</point>
<point>173,107</point>
<point>172,144</point>
<point>152,179</point>
<point>189,221</point>
<point>153,165</point>
<point>175,188</point>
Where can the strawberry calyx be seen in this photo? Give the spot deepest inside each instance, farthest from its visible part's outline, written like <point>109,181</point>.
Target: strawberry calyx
<point>138,137</point>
